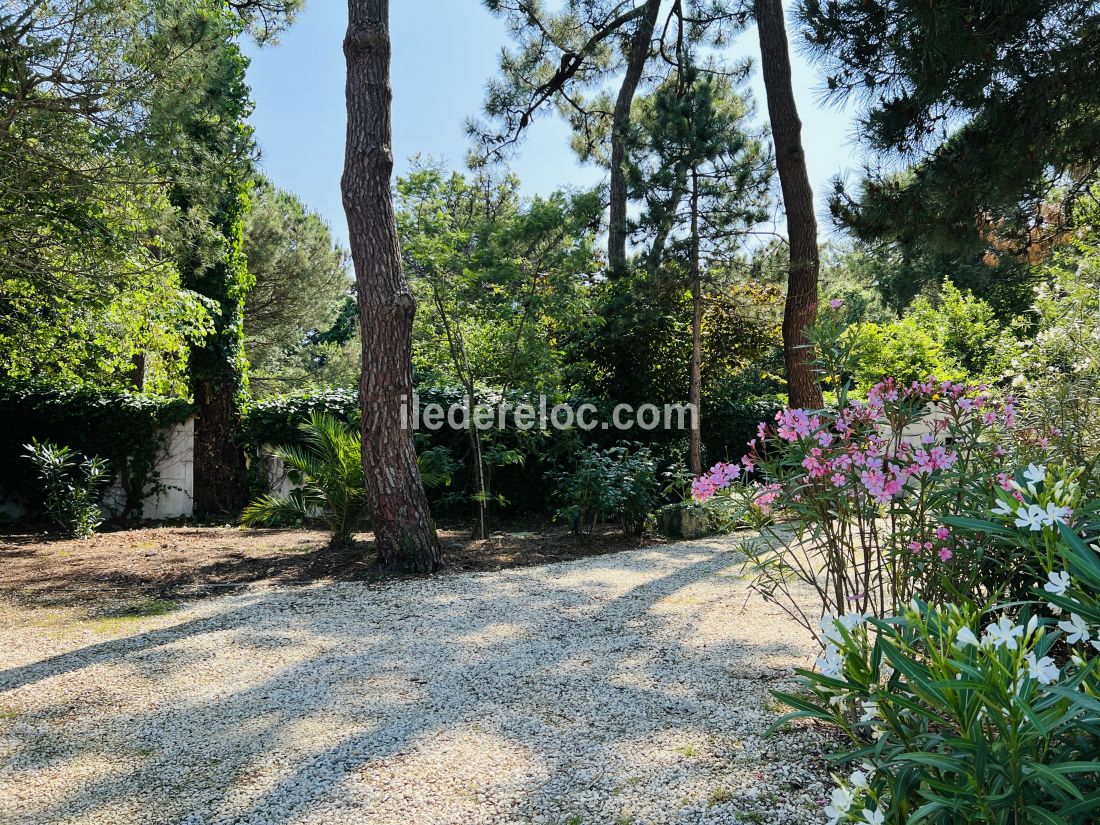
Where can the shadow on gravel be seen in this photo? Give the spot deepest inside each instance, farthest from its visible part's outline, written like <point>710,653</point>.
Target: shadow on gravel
<point>528,656</point>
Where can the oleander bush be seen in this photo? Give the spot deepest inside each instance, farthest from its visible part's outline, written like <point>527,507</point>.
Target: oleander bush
<point>953,548</point>
<point>72,486</point>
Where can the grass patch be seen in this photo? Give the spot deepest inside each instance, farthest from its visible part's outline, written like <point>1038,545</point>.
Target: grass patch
<point>719,796</point>
<point>688,750</point>
<point>133,613</point>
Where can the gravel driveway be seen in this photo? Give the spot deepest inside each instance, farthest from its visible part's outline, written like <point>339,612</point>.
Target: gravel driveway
<point>630,688</point>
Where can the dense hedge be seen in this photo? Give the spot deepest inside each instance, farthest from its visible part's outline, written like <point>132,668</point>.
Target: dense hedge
<point>520,460</point>
<point>120,427</point>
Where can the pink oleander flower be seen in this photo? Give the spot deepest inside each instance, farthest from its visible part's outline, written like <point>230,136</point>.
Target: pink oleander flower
<point>914,546</point>
<point>836,303</point>
<point>837,479</point>
<point>793,424</point>
<point>945,554</point>
<point>942,533</point>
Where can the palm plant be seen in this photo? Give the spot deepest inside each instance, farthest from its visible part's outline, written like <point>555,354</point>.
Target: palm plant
<point>328,471</point>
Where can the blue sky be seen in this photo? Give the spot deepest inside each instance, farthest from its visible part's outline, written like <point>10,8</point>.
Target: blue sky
<point>443,52</point>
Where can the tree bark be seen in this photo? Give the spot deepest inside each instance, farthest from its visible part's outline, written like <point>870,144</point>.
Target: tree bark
<point>404,532</point>
<point>620,120</point>
<point>219,461</point>
<point>696,333</point>
<point>800,311</point>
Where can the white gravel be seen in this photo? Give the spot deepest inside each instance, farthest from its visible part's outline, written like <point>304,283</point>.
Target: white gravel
<point>630,688</point>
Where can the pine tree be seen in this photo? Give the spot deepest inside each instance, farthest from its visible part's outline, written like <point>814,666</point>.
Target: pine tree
<point>991,106</point>
<point>704,180</point>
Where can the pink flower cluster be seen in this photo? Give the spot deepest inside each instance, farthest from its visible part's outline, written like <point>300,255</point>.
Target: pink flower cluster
<point>718,477</point>
<point>943,535</point>
<point>846,450</point>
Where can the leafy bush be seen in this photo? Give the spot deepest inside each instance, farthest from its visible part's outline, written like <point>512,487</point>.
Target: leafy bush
<point>968,331</point>
<point>1057,372</point>
<point>72,486</point>
<point>618,483</point>
<point>328,470</point>
<point>958,724</point>
<point>951,726</point>
<point>123,428</point>
<point>905,350</point>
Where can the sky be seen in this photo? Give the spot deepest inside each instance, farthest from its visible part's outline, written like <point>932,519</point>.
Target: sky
<point>444,51</point>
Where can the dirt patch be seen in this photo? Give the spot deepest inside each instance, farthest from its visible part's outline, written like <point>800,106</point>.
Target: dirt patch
<point>119,571</point>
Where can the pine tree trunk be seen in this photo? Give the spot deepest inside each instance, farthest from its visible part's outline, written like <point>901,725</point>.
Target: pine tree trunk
<point>404,533</point>
<point>620,120</point>
<point>219,461</point>
<point>696,333</point>
<point>800,311</point>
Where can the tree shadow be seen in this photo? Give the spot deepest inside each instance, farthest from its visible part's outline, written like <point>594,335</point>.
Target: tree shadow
<point>349,688</point>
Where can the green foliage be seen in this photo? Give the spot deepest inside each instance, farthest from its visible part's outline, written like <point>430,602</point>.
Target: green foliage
<point>968,331</point>
<point>499,280</point>
<point>279,420</point>
<point>300,296</point>
<point>326,468</point>
<point>993,103</point>
<point>1057,371</point>
<point>618,483</point>
<point>327,471</point>
<point>952,335</point>
<point>951,728</point>
<point>72,486</point>
<point>121,427</point>
<point>905,349</point>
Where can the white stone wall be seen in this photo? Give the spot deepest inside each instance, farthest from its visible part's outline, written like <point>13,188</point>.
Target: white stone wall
<point>176,468</point>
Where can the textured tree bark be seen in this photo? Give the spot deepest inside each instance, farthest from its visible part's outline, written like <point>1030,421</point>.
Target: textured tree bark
<point>620,119</point>
<point>404,533</point>
<point>696,333</point>
<point>219,461</point>
<point>800,311</point>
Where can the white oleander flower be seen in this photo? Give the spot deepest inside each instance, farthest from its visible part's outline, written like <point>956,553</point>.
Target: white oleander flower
<point>1003,632</point>
<point>1031,518</point>
<point>840,801</point>
<point>831,661</point>
<point>1076,629</point>
<point>1059,581</point>
<point>1044,671</point>
<point>1003,508</point>
<point>873,817</point>
<point>1035,473</point>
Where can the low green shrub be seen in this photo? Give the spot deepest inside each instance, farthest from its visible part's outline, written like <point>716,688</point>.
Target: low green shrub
<point>617,484</point>
<point>328,472</point>
<point>72,484</point>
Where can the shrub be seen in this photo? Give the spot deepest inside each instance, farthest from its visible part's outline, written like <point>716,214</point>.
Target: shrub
<point>618,483</point>
<point>1058,371</point>
<point>952,724</point>
<point>328,470</point>
<point>72,486</point>
<point>125,429</point>
<point>905,350</point>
